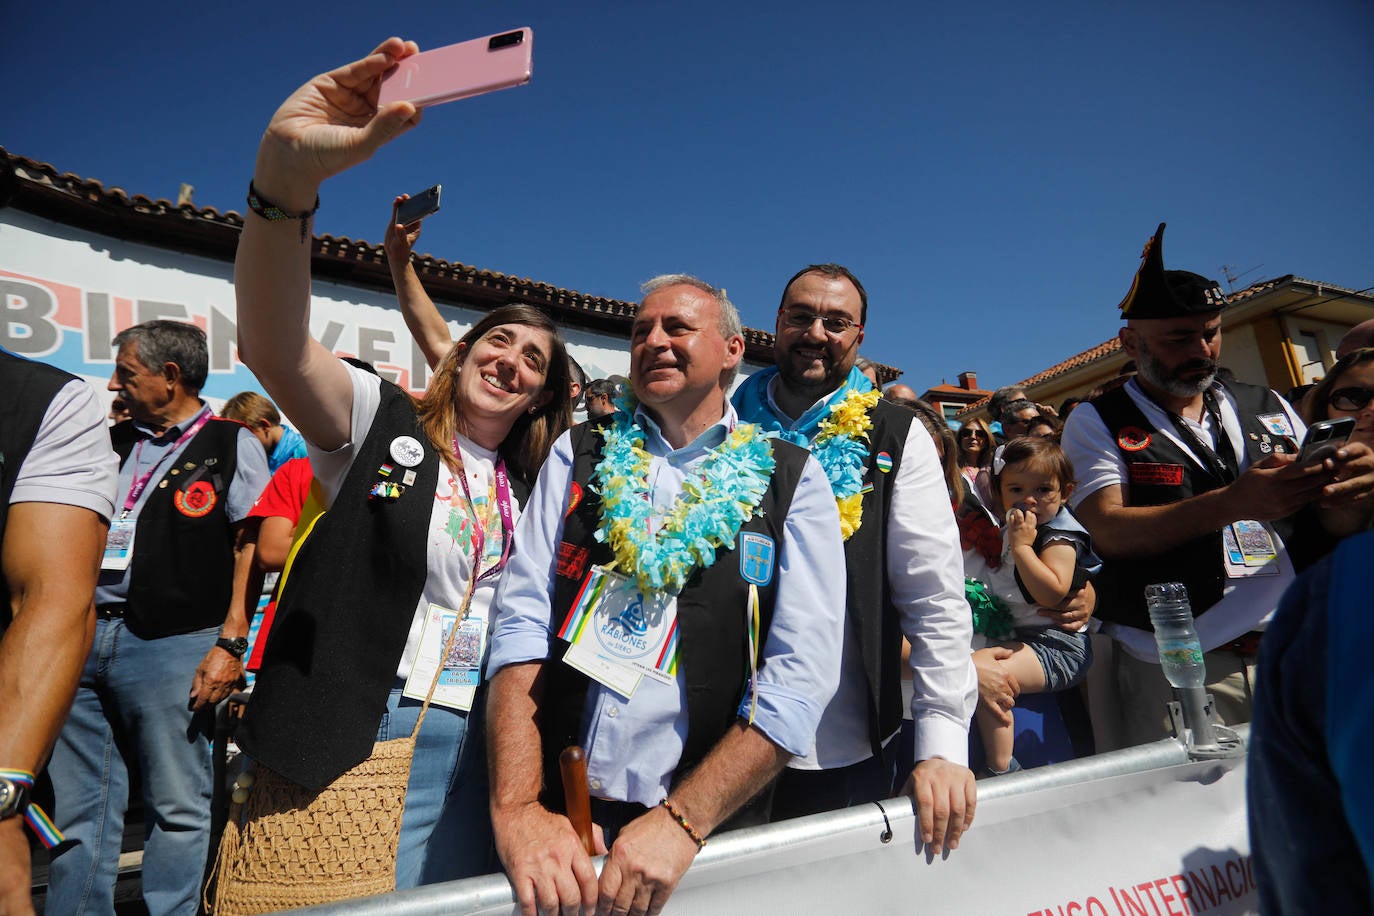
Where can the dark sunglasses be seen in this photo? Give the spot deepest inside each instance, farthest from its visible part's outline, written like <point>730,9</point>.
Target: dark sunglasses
<point>971,433</point>
<point>1350,398</point>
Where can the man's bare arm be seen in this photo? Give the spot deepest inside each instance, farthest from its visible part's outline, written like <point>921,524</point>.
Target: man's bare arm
<point>220,672</point>
<point>51,558</point>
<point>1273,489</point>
<point>543,857</point>
<point>653,852</point>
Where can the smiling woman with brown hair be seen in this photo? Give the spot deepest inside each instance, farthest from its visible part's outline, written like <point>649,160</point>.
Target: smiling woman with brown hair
<point>423,499</point>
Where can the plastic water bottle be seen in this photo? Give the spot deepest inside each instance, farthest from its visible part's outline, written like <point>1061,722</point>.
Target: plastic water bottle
<point>1180,652</point>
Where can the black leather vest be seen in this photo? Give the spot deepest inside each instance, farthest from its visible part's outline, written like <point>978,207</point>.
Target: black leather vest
<point>182,572</point>
<point>344,615</point>
<point>713,654</point>
<point>872,619</point>
<point>1159,472</point>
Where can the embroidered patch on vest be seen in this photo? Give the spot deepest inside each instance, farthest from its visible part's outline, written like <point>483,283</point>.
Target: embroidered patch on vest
<point>196,500</point>
<point>1157,475</point>
<point>572,560</point>
<point>756,558</point>
<point>574,496</point>
<point>1133,438</point>
<point>1276,423</point>
<point>884,462</point>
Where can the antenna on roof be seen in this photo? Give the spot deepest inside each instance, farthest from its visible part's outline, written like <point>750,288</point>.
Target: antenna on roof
<point>1232,278</point>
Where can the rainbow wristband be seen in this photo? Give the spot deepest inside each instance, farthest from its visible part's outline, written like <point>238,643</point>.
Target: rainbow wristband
<point>34,816</point>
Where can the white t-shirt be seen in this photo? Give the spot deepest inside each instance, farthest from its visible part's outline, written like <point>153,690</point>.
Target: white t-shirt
<point>71,461</point>
<point>451,535</point>
<point>1246,603</point>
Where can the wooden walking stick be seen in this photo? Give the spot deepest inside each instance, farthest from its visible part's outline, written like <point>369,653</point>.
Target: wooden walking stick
<point>572,764</point>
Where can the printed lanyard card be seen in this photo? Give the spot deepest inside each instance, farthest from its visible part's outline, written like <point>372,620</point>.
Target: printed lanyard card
<point>462,668</point>
<point>119,545</point>
<point>618,634</point>
<point>1248,550</point>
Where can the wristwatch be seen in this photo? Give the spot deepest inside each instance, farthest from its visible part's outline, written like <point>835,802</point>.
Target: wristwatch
<point>14,797</point>
<point>236,646</point>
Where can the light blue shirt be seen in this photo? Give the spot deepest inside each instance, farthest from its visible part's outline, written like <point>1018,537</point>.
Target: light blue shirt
<point>634,745</point>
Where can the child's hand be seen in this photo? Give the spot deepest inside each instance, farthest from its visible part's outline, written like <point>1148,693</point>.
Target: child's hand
<point>1020,527</point>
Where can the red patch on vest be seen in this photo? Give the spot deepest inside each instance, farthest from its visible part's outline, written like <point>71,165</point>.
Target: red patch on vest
<point>574,496</point>
<point>1157,475</point>
<point>196,500</point>
<point>572,560</point>
<point>1133,438</point>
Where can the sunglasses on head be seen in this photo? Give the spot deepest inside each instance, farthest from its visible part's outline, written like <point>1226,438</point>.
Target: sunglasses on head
<point>1350,398</point>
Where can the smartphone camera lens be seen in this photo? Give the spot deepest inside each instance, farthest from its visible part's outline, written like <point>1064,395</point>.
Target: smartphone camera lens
<point>507,40</point>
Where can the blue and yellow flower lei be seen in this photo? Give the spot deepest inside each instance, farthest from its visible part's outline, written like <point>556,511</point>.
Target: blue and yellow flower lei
<point>841,447</point>
<point>726,490</point>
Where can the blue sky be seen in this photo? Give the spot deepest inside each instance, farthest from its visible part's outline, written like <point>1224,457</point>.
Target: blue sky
<point>990,171</point>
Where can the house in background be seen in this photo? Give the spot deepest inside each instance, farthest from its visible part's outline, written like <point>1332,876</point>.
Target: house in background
<point>1281,333</point>
<point>951,399</point>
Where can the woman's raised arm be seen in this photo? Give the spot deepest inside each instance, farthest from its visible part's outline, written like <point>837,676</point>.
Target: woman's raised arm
<point>328,125</point>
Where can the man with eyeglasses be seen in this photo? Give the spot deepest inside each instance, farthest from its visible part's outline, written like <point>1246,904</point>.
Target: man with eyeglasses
<point>1184,476</point>
<point>904,568</point>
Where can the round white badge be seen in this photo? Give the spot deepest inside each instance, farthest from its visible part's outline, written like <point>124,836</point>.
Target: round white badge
<point>406,451</point>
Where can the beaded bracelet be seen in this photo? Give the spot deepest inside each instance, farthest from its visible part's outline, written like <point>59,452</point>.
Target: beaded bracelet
<point>682,821</point>
<point>272,213</point>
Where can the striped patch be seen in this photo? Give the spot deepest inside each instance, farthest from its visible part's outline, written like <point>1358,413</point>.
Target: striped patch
<point>884,462</point>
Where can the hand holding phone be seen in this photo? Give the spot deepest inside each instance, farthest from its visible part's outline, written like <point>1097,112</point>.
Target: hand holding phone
<point>414,208</point>
<point>462,70</point>
<point>1324,438</point>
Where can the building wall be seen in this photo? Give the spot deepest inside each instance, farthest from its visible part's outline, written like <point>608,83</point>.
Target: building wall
<point>65,292</point>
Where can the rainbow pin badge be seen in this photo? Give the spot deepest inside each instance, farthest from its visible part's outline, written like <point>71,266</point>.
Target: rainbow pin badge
<point>884,462</point>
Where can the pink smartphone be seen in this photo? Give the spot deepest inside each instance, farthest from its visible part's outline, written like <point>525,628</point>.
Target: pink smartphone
<point>462,70</point>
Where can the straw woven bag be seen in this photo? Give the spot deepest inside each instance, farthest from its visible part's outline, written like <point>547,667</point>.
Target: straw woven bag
<point>287,846</point>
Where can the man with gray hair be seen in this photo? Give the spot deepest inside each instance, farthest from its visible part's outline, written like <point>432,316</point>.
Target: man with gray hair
<point>674,531</point>
<point>170,631</point>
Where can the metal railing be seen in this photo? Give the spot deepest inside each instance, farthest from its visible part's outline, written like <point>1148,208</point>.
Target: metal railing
<point>755,845</point>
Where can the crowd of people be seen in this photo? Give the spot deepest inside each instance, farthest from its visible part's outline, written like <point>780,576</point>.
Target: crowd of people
<point>745,603</point>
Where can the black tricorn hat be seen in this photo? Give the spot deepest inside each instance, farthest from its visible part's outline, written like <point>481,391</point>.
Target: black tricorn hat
<point>1160,293</point>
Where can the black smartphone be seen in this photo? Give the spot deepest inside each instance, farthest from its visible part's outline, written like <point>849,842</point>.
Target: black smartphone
<point>1323,438</point>
<point>418,206</point>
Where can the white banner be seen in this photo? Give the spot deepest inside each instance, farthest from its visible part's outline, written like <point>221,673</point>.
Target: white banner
<point>65,292</point>
<point>1168,841</point>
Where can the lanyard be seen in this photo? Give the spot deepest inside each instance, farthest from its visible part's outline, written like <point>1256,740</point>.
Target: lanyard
<point>503,503</point>
<point>141,482</point>
<point>1222,461</point>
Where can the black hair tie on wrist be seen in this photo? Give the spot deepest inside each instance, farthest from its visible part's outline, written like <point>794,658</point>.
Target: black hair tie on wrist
<point>272,213</point>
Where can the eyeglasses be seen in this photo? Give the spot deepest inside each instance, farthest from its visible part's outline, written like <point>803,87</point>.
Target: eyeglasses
<point>1350,398</point>
<point>802,319</point>
<point>971,434</point>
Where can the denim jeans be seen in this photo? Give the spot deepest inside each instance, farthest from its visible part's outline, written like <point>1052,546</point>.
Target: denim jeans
<point>131,711</point>
<point>446,825</point>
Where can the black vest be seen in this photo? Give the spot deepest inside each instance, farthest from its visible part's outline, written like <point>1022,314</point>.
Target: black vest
<point>343,617</point>
<point>1160,473</point>
<point>713,656</point>
<point>345,612</point>
<point>870,615</point>
<point>29,388</point>
<point>182,572</point>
